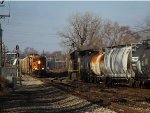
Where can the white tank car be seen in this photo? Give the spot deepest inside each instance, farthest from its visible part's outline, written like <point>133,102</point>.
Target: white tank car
<point>117,62</point>
<point>107,61</point>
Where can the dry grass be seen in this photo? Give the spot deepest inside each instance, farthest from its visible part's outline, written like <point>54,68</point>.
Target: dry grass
<point>4,84</point>
<point>4,81</point>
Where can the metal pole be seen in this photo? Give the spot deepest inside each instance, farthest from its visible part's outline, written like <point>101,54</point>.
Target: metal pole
<point>0,49</point>
<point>18,69</point>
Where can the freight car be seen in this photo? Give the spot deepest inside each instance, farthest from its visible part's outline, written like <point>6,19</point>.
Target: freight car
<point>141,63</point>
<point>33,64</point>
<point>121,64</point>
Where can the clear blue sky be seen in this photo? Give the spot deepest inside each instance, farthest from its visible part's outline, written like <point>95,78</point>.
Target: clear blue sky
<point>35,24</point>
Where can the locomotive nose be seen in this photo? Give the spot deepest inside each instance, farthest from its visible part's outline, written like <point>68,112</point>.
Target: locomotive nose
<point>39,62</point>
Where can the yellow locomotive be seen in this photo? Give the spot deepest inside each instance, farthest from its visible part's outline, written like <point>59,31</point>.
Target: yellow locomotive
<point>33,64</point>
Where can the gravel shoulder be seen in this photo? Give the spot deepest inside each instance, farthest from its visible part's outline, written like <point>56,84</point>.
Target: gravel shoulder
<point>35,97</point>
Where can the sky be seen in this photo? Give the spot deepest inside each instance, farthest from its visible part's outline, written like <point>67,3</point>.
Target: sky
<point>36,23</point>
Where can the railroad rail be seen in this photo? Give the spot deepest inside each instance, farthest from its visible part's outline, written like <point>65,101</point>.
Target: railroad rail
<point>119,99</point>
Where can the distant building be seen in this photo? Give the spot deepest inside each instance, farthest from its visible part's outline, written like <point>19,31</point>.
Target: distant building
<point>9,59</point>
<point>57,61</point>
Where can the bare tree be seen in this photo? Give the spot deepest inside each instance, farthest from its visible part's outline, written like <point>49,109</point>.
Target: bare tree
<point>90,32</point>
<point>46,53</point>
<point>82,32</point>
<point>144,29</point>
<point>114,34</point>
<point>29,50</point>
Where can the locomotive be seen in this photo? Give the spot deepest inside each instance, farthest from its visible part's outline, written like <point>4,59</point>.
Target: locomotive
<point>33,64</point>
<point>122,64</point>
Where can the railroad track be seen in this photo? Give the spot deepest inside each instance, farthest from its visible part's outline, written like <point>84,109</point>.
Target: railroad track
<point>119,99</point>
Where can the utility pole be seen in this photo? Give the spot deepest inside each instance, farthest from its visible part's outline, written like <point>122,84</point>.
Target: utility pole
<point>1,17</point>
<point>0,49</point>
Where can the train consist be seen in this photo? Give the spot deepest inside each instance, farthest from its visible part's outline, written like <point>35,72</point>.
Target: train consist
<point>33,64</point>
<point>112,65</point>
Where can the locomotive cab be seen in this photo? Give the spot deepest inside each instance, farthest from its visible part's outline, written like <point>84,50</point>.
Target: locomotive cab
<point>78,63</point>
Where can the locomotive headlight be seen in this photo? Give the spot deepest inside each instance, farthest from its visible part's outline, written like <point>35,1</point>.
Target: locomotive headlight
<point>39,62</point>
<point>35,68</point>
<point>42,68</point>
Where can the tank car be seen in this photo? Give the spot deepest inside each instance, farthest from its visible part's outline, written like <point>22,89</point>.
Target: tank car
<point>94,65</point>
<point>123,64</point>
<point>141,62</point>
<point>117,62</point>
<point>128,64</point>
